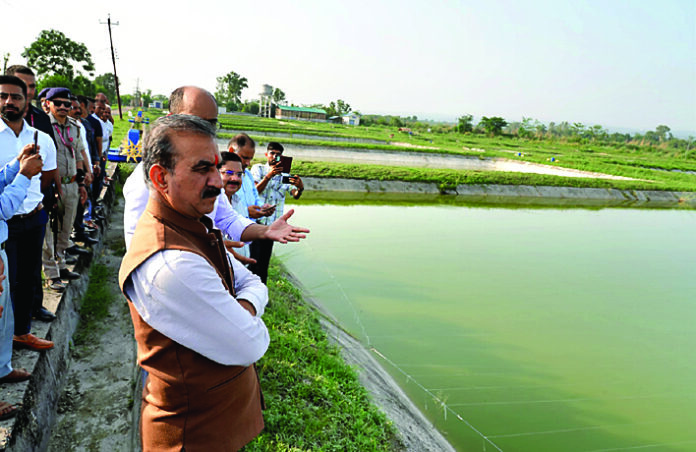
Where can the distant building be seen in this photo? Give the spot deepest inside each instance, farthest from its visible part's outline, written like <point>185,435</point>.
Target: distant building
<point>351,119</point>
<point>156,104</point>
<point>335,120</point>
<point>307,114</point>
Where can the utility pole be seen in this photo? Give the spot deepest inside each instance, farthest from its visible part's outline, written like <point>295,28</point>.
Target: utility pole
<point>113,60</point>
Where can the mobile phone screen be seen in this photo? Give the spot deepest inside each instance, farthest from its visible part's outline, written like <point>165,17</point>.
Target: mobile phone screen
<point>286,163</point>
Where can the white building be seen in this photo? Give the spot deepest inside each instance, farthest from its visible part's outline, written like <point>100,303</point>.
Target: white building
<point>351,119</point>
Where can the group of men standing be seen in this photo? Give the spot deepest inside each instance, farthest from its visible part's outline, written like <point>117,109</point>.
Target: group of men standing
<point>48,162</point>
<point>196,309</point>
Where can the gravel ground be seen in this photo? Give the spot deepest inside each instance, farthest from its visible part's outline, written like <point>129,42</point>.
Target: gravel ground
<point>95,406</point>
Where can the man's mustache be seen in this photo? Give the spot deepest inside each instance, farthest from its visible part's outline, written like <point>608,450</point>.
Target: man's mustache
<point>210,192</point>
<point>233,183</point>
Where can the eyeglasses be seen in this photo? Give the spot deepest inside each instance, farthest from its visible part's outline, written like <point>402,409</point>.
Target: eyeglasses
<point>5,96</point>
<point>232,173</point>
<point>63,103</point>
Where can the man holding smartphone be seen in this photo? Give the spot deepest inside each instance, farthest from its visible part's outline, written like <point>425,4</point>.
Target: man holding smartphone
<point>272,186</point>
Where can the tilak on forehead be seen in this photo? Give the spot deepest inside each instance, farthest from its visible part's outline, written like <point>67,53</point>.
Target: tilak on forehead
<point>217,159</point>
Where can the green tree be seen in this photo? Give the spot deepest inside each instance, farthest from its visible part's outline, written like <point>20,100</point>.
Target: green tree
<point>278,96</point>
<point>77,85</point>
<point>493,125</point>
<point>251,107</point>
<point>662,132</point>
<point>106,83</point>
<point>338,108</point>
<point>465,124</point>
<point>229,90</point>
<point>146,98</point>
<point>127,99</point>
<point>395,121</point>
<point>53,53</point>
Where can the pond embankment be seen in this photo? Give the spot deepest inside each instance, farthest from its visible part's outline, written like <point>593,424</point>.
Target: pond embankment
<point>305,136</point>
<point>524,194</point>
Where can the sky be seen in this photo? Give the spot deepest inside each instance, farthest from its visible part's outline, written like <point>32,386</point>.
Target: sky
<point>626,65</point>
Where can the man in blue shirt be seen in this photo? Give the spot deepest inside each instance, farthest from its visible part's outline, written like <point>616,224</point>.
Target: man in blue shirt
<point>245,147</point>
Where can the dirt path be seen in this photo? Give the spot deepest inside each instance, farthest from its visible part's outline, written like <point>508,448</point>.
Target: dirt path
<point>94,410</point>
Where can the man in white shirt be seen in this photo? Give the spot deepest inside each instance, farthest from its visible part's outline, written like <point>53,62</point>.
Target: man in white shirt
<point>27,227</point>
<point>196,311</point>
<point>231,173</point>
<point>191,100</point>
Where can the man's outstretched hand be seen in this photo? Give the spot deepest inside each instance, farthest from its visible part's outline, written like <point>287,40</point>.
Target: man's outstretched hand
<point>283,232</point>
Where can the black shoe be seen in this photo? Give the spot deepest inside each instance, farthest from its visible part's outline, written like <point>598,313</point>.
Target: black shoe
<point>84,238</point>
<point>44,315</point>
<point>71,260</point>
<point>77,250</point>
<point>67,274</point>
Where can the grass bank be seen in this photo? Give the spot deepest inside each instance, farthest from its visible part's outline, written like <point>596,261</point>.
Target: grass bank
<point>314,399</point>
<point>660,164</point>
<point>448,179</point>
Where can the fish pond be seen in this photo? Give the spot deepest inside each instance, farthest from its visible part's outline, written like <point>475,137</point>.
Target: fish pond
<point>518,329</point>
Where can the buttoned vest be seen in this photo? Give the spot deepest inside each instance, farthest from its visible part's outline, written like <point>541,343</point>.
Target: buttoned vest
<point>189,402</point>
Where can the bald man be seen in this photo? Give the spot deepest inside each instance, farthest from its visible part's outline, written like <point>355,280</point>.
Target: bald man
<point>195,101</point>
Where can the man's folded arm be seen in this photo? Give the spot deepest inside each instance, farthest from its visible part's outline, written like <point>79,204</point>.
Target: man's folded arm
<point>179,294</point>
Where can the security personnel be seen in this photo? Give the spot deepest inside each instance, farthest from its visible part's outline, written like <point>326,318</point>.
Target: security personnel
<point>71,167</point>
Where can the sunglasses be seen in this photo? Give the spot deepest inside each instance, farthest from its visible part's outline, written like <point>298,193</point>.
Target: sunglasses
<point>62,103</point>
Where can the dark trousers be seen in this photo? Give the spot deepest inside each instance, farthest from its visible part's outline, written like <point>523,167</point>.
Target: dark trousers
<point>261,251</point>
<point>24,245</point>
<point>78,225</point>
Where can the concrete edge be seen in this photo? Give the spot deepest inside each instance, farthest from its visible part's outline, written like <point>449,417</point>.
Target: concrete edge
<point>32,427</point>
<point>547,195</point>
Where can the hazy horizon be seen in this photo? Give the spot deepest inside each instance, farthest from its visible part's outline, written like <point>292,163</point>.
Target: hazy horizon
<point>622,64</point>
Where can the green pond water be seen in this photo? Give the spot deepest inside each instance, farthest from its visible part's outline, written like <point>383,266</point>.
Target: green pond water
<point>519,329</point>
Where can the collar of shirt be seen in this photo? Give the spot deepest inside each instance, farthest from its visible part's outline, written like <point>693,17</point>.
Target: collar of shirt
<point>26,128</point>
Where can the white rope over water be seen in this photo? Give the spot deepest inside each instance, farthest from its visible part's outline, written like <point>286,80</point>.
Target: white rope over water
<point>442,403</point>
<point>445,407</point>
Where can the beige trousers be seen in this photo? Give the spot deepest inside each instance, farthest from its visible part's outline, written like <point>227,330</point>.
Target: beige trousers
<point>53,264</point>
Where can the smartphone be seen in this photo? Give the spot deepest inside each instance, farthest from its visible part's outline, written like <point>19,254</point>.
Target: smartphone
<point>285,163</point>
<point>286,180</point>
<point>36,141</point>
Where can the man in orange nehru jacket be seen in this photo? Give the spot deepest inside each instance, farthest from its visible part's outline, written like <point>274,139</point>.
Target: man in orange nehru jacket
<point>196,310</point>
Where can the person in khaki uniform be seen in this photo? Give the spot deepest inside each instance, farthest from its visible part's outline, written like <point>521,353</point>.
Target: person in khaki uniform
<point>71,167</point>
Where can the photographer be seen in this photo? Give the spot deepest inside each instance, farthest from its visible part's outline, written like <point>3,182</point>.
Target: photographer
<point>272,186</point>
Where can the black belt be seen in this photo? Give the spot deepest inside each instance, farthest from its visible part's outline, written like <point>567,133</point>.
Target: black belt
<point>33,212</point>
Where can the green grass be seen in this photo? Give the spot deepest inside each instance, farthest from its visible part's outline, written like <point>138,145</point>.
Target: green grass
<point>314,399</point>
<point>448,179</point>
<point>95,304</point>
<point>629,160</point>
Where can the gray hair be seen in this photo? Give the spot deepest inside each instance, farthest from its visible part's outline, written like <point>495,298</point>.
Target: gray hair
<point>158,146</point>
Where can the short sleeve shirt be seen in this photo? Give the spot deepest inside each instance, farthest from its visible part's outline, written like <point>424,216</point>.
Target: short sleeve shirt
<point>273,194</point>
<point>69,147</point>
<point>10,147</point>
